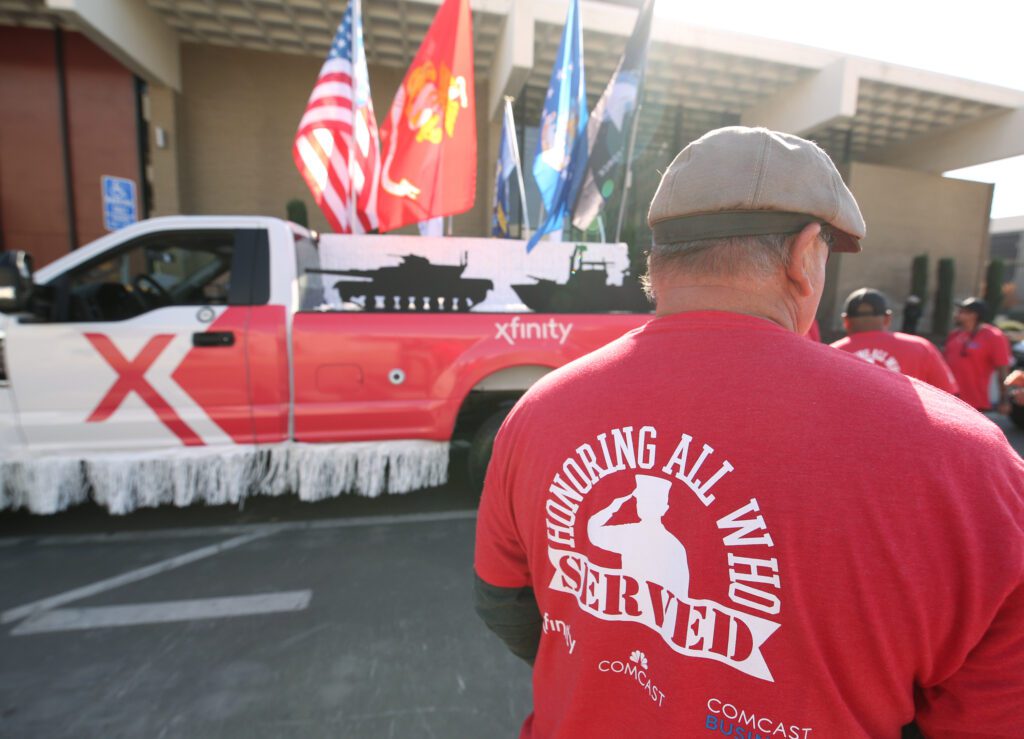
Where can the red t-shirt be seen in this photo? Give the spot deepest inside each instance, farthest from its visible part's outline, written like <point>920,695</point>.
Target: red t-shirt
<point>730,529</point>
<point>906,353</point>
<point>814,332</point>
<point>973,359</point>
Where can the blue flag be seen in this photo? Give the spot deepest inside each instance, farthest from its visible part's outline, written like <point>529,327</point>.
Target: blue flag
<point>608,131</point>
<point>503,180</point>
<point>563,123</point>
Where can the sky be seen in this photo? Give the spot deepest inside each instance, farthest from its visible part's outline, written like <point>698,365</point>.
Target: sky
<point>978,40</point>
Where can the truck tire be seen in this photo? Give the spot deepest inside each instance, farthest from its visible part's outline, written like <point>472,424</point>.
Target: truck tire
<point>480,449</point>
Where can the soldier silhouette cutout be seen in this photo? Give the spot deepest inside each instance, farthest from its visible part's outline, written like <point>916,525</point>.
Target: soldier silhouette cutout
<point>649,551</point>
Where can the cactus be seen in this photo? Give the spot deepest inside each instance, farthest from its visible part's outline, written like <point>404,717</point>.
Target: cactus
<point>943,298</point>
<point>296,210</point>
<point>995,276</point>
<point>919,276</point>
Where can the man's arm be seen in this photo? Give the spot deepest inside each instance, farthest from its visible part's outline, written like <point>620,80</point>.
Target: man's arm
<point>985,696</point>
<point>1004,390</point>
<point>1015,384</point>
<point>1002,358</point>
<point>595,526</point>
<point>502,592</point>
<point>512,614</point>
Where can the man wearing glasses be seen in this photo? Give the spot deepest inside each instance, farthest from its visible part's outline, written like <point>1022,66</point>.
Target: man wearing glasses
<point>830,550</point>
<point>974,350</point>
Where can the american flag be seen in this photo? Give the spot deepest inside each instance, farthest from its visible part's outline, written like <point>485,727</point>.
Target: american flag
<point>337,149</point>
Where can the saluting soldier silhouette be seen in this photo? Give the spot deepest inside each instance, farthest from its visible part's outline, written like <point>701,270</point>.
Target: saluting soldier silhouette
<point>649,551</point>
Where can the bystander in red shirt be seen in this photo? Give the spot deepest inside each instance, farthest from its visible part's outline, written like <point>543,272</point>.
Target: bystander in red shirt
<point>867,319</point>
<point>974,351</point>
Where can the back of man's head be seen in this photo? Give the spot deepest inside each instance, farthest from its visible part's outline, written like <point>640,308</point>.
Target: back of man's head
<point>867,309</point>
<point>733,203</point>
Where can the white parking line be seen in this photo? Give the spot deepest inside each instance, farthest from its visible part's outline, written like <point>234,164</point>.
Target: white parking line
<point>75,619</point>
<point>247,533</point>
<point>29,609</point>
<point>197,532</point>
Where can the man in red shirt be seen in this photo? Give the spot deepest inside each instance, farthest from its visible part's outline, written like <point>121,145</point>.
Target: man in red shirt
<point>867,319</point>
<point>974,350</point>
<point>788,542</point>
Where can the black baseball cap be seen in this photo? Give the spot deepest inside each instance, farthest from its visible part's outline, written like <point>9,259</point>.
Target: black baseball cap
<point>865,303</point>
<point>975,305</point>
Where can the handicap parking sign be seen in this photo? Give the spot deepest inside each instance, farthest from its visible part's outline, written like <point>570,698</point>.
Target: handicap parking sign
<point>120,207</point>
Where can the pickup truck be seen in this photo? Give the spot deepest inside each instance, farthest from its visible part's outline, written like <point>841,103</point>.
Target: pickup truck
<point>205,359</point>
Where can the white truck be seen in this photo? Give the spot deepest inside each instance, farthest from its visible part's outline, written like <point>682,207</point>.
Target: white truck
<point>195,358</point>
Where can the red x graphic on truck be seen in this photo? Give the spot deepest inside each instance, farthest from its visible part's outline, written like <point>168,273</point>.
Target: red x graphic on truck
<point>131,377</point>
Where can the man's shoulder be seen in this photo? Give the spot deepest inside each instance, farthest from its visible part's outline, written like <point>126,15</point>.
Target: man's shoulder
<point>910,338</point>
<point>879,391</point>
<point>991,331</point>
<point>953,424</point>
<point>915,341</point>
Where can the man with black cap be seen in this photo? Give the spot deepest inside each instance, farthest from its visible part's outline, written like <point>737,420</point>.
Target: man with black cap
<point>974,350</point>
<point>853,538</point>
<point>867,319</point>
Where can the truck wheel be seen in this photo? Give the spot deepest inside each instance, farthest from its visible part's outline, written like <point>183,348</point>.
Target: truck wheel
<point>480,449</point>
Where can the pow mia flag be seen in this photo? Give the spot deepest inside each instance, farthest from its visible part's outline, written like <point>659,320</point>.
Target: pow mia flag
<point>610,124</point>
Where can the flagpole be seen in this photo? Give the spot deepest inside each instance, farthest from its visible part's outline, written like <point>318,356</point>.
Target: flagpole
<point>629,172</point>
<point>511,123</point>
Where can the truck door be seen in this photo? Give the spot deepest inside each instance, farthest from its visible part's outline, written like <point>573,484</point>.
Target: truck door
<point>144,348</point>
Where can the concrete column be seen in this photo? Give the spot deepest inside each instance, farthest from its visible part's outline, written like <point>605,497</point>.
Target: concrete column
<point>513,58</point>
<point>131,32</point>
<point>164,150</point>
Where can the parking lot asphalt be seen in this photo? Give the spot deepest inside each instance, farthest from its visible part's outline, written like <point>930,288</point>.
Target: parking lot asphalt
<point>358,627</point>
<point>350,617</point>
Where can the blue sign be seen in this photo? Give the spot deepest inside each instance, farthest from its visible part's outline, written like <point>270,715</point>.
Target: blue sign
<point>120,206</point>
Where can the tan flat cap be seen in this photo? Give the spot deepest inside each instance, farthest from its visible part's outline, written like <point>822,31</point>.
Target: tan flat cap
<point>739,181</point>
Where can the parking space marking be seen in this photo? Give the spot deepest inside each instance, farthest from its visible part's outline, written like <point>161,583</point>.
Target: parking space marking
<point>75,619</point>
<point>196,532</point>
<point>101,586</point>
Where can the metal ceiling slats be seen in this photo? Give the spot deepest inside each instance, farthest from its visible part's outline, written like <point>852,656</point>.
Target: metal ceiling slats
<point>711,86</point>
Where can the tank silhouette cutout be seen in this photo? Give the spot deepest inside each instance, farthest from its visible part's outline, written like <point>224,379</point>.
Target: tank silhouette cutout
<point>414,284</point>
<point>586,290</point>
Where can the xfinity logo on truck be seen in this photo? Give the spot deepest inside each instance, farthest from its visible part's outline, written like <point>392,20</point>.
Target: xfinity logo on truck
<point>516,330</point>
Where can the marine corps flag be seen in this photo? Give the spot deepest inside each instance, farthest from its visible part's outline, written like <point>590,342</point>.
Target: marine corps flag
<point>428,139</point>
<point>609,127</point>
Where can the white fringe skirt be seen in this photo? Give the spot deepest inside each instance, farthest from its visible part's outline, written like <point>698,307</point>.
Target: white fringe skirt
<point>219,475</point>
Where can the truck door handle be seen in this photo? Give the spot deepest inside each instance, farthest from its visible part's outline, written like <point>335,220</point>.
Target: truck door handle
<point>213,338</point>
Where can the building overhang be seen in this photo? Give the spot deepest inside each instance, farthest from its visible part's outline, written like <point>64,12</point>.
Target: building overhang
<point>697,78</point>
<point>130,31</point>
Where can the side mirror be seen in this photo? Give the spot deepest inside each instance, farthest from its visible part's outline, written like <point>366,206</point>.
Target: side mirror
<point>15,280</point>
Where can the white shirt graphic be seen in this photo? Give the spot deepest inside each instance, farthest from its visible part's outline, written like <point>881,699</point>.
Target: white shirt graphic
<point>649,551</point>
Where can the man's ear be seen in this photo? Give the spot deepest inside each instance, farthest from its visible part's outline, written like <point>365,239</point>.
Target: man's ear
<point>803,260</point>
